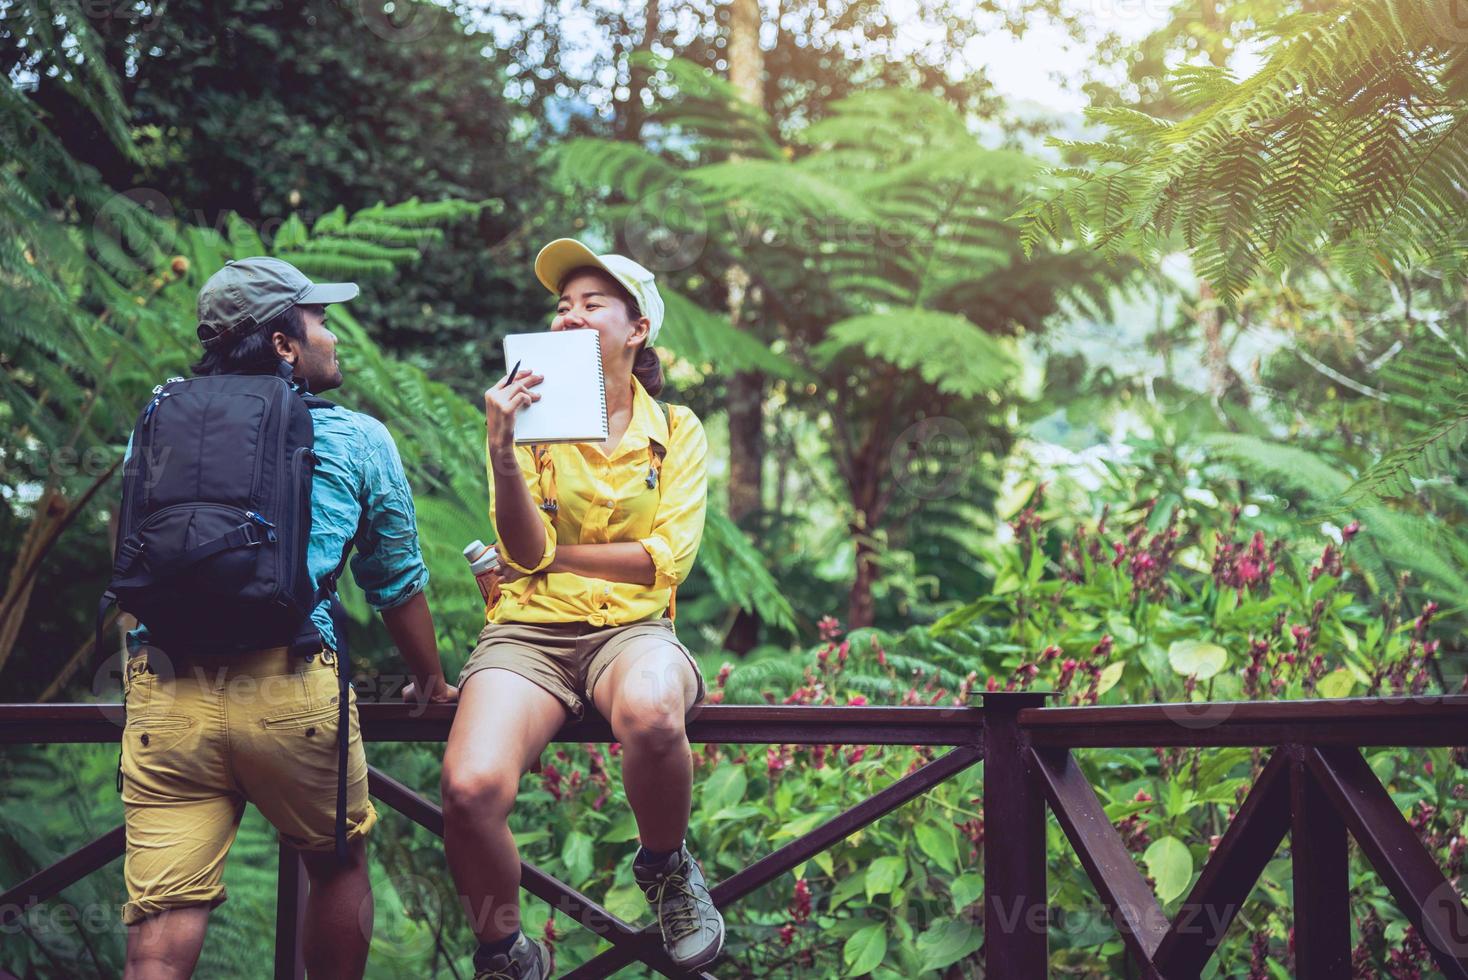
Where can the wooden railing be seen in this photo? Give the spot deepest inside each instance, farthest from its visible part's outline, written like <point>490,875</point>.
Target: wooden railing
<point>1315,787</point>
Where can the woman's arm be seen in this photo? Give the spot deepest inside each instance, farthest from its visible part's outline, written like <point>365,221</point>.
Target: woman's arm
<point>617,561</point>
<point>518,523</point>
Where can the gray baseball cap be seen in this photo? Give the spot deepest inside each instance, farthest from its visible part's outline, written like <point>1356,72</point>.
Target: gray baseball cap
<point>249,292</point>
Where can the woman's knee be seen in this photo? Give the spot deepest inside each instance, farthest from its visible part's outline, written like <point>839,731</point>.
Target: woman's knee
<point>649,718</point>
<point>479,792</point>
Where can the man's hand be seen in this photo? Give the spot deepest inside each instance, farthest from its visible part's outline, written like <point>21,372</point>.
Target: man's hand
<point>440,692</point>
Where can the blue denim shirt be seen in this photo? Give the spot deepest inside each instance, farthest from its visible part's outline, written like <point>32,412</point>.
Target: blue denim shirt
<point>360,480</point>
<point>359,492</point>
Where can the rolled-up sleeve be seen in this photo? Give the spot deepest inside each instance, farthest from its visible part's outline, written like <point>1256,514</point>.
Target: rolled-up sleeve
<point>525,456</point>
<point>388,562</point>
<point>678,527</point>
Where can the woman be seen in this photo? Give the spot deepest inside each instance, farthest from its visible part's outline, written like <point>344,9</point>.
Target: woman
<point>595,537</point>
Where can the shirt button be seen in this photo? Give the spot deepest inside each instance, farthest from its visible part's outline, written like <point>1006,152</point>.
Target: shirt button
<point>611,503</point>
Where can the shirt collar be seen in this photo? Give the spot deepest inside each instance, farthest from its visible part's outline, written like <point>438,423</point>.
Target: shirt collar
<point>647,423</point>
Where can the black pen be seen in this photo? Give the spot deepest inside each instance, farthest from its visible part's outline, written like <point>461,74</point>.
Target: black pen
<point>511,380</point>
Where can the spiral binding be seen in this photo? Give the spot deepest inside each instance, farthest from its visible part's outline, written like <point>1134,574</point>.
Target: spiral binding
<point>602,391</point>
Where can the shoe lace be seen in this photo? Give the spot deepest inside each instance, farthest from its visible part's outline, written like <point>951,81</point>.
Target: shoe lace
<point>677,906</point>
<point>496,974</point>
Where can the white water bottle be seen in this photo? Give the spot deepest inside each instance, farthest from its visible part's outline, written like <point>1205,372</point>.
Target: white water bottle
<point>484,561</point>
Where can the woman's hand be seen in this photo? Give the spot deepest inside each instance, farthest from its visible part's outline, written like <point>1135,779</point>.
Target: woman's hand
<point>502,401</point>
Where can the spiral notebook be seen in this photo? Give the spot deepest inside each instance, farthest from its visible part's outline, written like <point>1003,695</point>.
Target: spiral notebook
<point>573,396</point>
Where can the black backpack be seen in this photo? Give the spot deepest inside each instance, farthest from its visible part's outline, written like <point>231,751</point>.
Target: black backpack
<point>216,522</point>
<point>216,516</point>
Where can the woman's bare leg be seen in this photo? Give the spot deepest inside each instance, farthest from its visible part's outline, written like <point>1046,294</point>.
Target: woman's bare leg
<point>645,694</point>
<point>502,724</point>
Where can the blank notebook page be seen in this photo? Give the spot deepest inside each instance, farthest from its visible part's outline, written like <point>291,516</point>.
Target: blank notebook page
<point>573,396</point>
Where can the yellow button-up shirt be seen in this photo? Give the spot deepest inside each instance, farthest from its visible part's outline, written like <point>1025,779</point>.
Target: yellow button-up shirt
<point>603,500</point>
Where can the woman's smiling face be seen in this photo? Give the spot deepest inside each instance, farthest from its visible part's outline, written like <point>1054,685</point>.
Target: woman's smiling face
<point>593,300</point>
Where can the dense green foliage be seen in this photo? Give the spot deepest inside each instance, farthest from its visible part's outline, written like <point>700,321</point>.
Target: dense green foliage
<point>1246,490</point>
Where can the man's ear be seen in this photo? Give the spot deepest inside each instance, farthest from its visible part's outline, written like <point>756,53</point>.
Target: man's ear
<point>284,347</point>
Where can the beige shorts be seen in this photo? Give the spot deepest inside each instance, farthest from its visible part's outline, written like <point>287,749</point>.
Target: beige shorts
<point>201,739</point>
<point>567,659</point>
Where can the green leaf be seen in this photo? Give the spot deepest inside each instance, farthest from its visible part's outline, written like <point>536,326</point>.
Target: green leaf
<point>947,941</point>
<point>724,787</point>
<point>1336,684</point>
<point>938,844</point>
<point>1197,658</point>
<point>966,889</point>
<point>1110,674</point>
<point>865,949</point>
<point>885,874</point>
<point>1171,865</point>
<point>627,903</point>
<point>623,830</point>
<point>848,888</point>
<point>945,349</point>
<point>576,855</point>
<point>825,862</point>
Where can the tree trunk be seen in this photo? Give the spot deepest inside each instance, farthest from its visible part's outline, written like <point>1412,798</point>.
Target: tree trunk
<point>861,610</point>
<point>631,113</point>
<point>747,388</point>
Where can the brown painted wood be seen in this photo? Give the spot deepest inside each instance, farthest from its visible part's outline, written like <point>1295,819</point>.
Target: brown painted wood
<point>1427,899</point>
<point>1346,721</point>
<point>1016,911</point>
<point>1230,874</point>
<point>1322,883</point>
<point>291,889</point>
<point>394,721</point>
<point>1123,891</point>
<point>640,944</point>
<point>49,881</point>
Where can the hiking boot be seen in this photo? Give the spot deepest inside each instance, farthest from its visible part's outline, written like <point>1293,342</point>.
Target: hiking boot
<point>693,930</point>
<point>526,960</point>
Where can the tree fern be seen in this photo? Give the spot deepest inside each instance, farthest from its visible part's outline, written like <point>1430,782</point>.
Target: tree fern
<point>1348,138</point>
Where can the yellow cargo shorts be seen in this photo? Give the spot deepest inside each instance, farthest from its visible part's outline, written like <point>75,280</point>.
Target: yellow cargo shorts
<point>206,735</point>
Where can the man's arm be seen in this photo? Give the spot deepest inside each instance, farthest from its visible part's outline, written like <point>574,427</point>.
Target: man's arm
<point>411,628</point>
<point>388,563</point>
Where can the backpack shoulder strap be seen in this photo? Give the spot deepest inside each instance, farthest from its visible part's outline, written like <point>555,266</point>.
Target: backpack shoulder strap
<point>545,469</point>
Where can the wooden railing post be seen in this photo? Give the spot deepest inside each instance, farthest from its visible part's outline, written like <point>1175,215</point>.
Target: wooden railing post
<point>1015,909</point>
<point>290,915</point>
<point>1322,887</point>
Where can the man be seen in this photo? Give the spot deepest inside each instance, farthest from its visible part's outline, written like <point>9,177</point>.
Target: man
<point>205,734</point>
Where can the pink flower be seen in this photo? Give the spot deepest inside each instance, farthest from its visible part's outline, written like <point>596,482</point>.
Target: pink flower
<point>857,699</point>
<point>829,627</point>
<point>1350,531</point>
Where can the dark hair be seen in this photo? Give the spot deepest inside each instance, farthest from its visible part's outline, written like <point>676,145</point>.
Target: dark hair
<point>254,353</point>
<point>647,366</point>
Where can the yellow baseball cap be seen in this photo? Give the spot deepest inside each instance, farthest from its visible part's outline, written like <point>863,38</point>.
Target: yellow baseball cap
<point>561,256</point>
